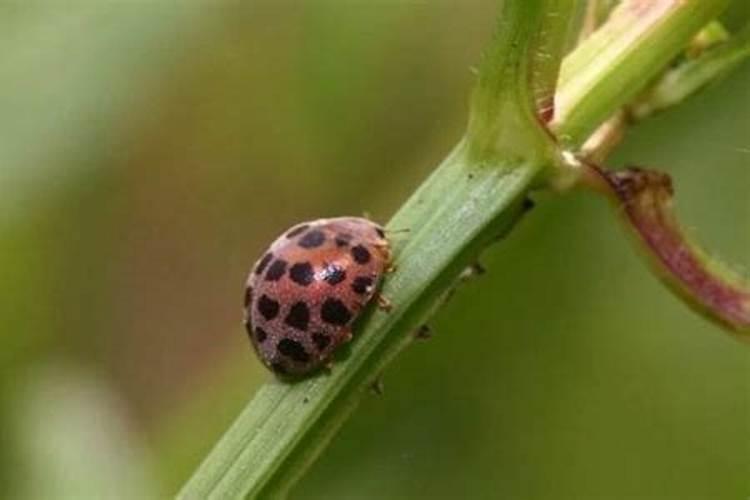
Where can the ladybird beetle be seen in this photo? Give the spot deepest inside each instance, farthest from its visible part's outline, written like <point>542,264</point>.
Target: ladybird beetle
<point>303,294</point>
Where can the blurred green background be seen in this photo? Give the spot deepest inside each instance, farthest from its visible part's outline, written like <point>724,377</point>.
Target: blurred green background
<point>150,150</point>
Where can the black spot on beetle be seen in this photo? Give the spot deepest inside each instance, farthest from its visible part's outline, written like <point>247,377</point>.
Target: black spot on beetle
<point>297,230</point>
<point>334,311</point>
<point>276,271</point>
<point>321,340</point>
<point>263,263</point>
<point>361,254</point>
<point>312,239</point>
<point>334,274</point>
<point>302,273</point>
<point>293,349</point>
<point>268,307</point>
<point>361,284</point>
<point>248,296</point>
<point>260,335</point>
<point>298,316</point>
<point>343,239</point>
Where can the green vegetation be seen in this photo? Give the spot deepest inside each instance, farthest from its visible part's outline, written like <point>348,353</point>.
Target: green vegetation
<point>152,152</point>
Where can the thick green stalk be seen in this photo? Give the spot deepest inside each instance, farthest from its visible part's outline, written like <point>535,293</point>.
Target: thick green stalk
<point>287,425</point>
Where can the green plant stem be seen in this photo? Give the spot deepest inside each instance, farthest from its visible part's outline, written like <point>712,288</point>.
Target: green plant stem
<point>466,201</point>
<point>716,55</point>
<point>621,58</point>
<point>724,53</point>
<point>692,75</point>
<point>470,200</point>
<point>287,425</point>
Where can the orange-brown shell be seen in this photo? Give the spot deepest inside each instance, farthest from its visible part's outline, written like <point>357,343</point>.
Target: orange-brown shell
<point>302,296</point>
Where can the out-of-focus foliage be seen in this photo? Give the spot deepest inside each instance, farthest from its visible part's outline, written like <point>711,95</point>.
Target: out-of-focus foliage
<point>150,151</point>
<point>73,441</point>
